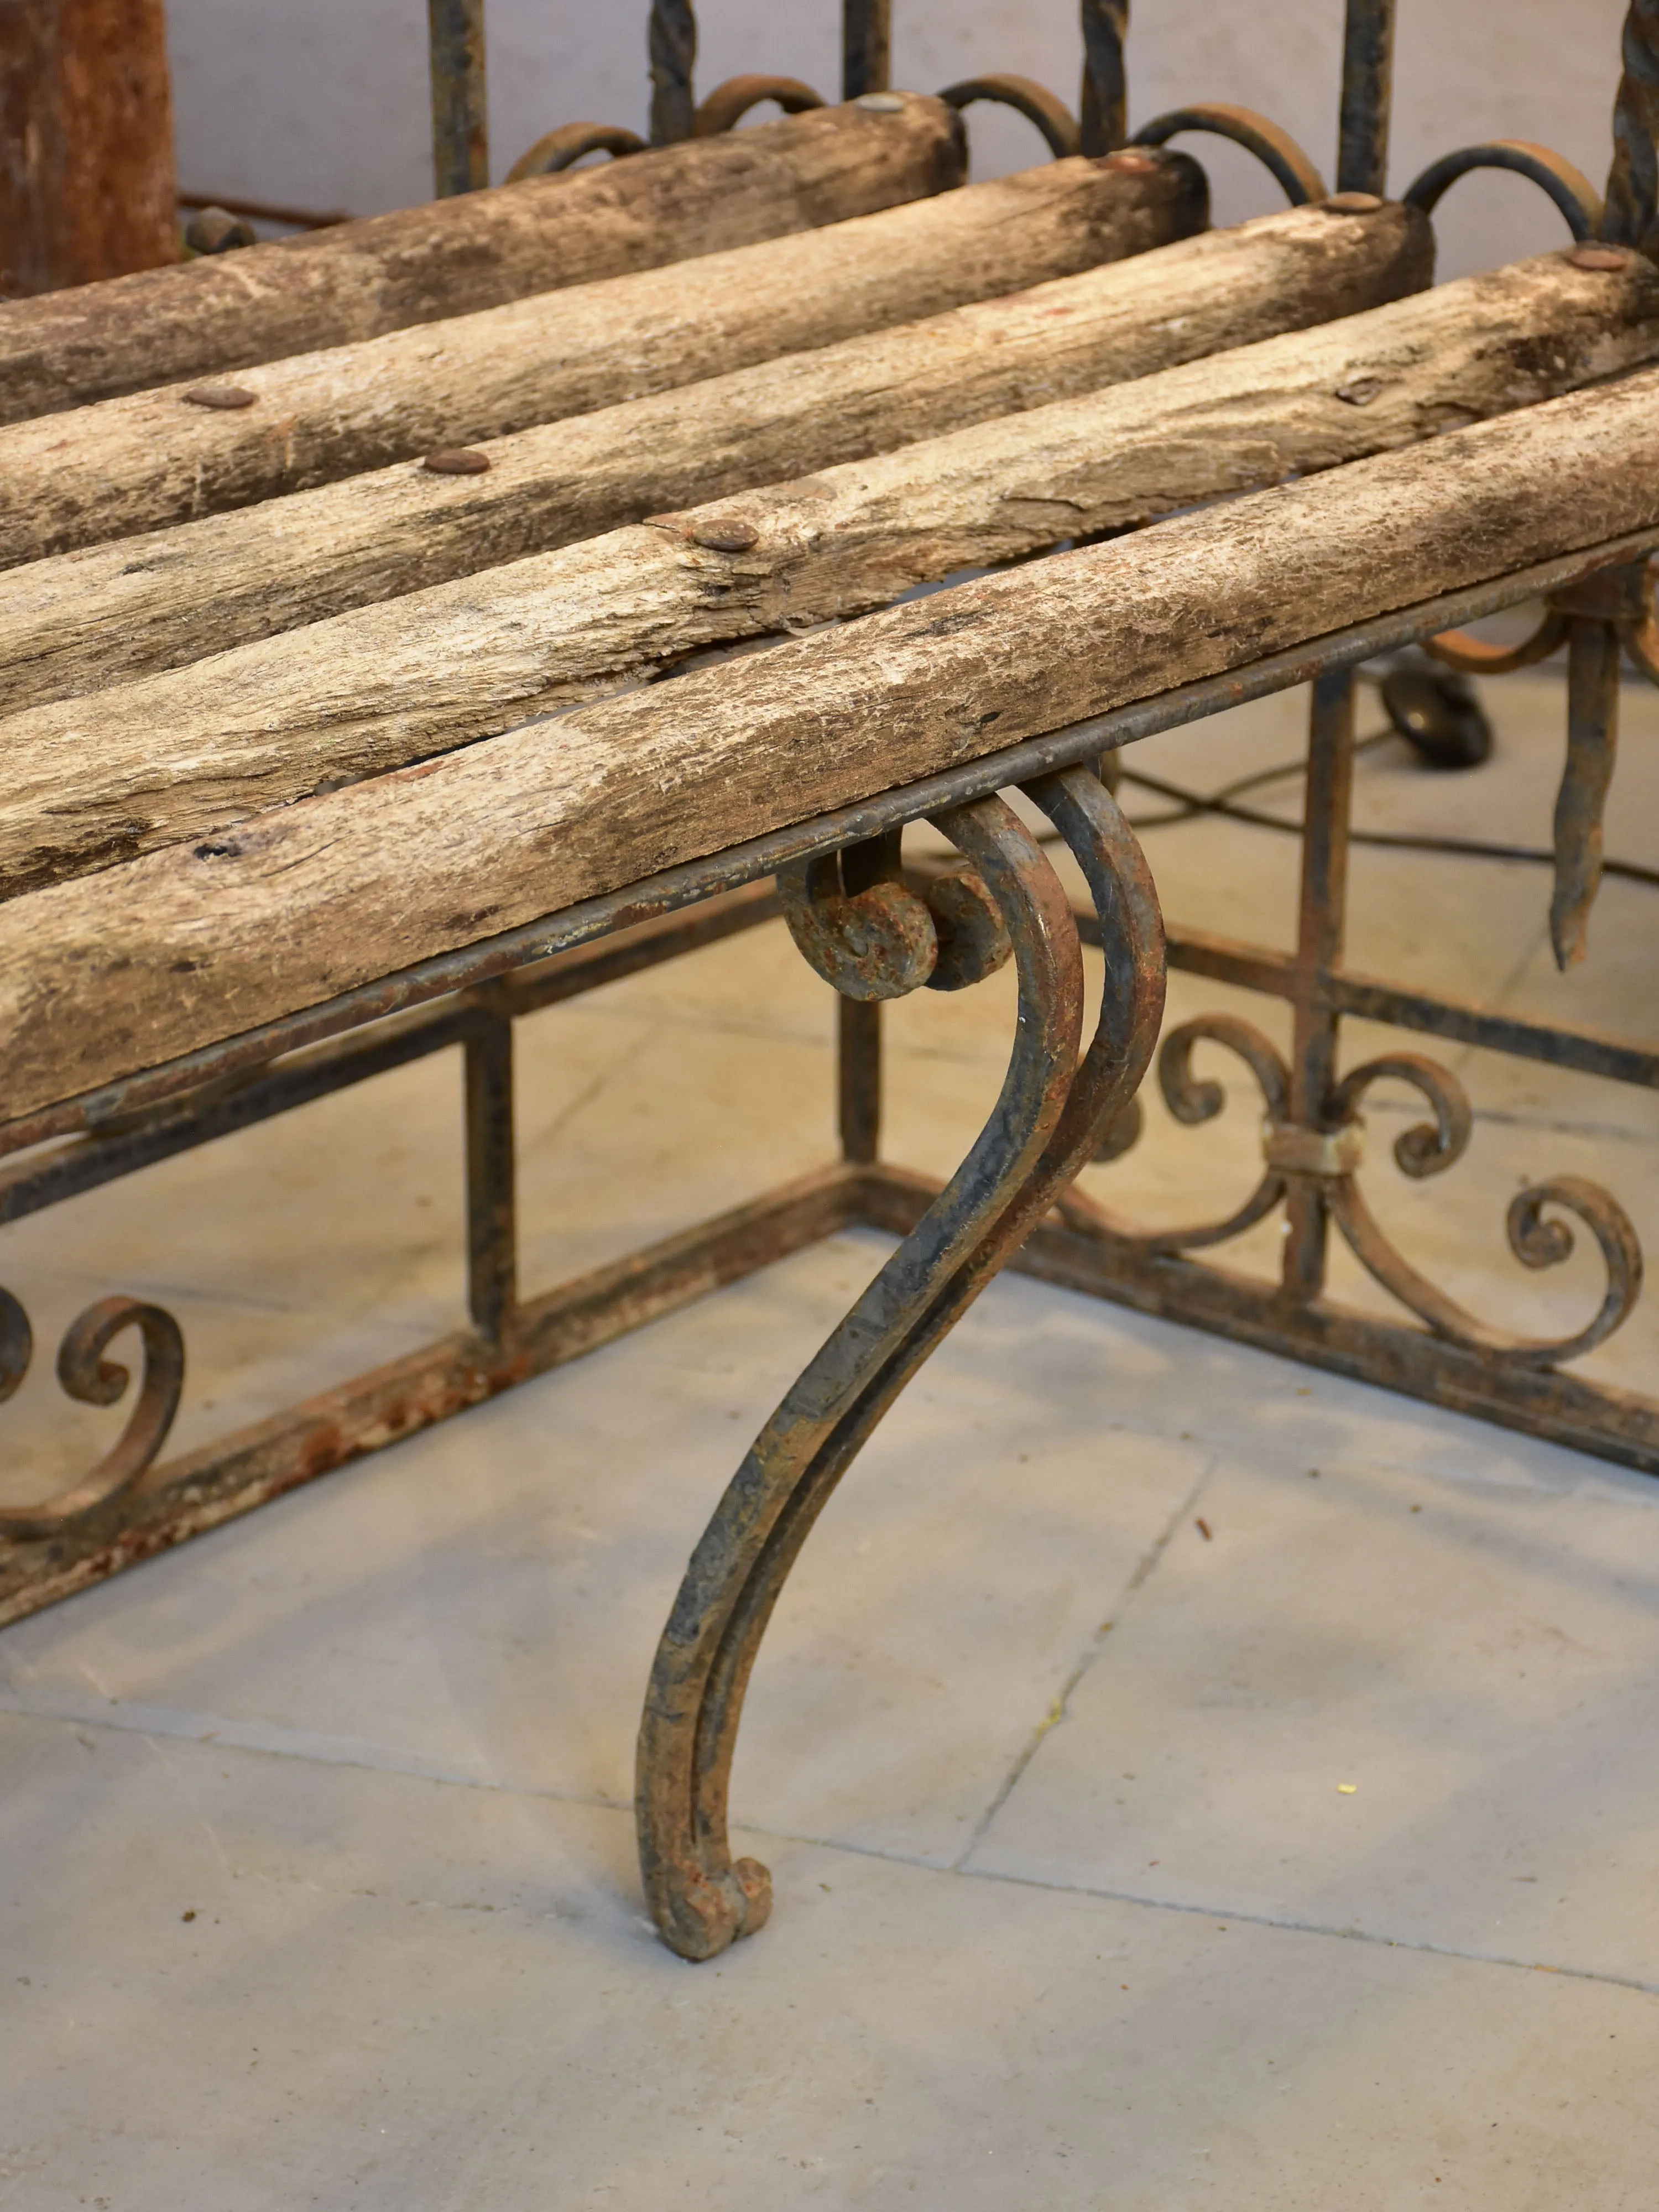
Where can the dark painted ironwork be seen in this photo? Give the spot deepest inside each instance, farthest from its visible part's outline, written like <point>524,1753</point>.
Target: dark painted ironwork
<point>1043,1126</point>
<point>1631,216</point>
<point>1362,145</point>
<point>1059,126</point>
<point>672,44</point>
<point>1277,151</point>
<point>1569,187</point>
<point>867,46</point>
<point>460,122</point>
<point>1104,109</point>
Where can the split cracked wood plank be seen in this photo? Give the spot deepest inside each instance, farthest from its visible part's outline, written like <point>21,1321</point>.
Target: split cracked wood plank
<point>128,969</point>
<point>136,463</point>
<point>107,614</point>
<point>478,250</point>
<point>96,780</point>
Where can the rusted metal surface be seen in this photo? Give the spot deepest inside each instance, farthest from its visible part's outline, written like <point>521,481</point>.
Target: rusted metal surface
<point>1569,187</point>
<point>867,46</point>
<point>726,106</point>
<point>1061,133</point>
<point>1592,742</point>
<point>1103,108</point>
<point>1631,213</point>
<point>183,1497</point>
<point>1291,169</point>
<point>1361,151</point>
<point>1045,1123</point>
<point>671,45</point>
<point>86,1375</point>
<point>461,121</point>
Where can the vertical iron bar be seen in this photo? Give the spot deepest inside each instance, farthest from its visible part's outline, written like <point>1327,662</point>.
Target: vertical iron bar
<point>858,1060</point>
<point>1361,146</point>
<point>1631,216</point>
<point>492,1244</point>
<point>673,50</point>
<point>1321,926</point>
<point>1105,103</point>
<point>461,121</point>
<point>1592,742</point>
<point>867,46</point>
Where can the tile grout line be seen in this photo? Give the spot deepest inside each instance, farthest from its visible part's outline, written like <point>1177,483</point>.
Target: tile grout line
<point>226,1735</point>
<point>1091,1651</point>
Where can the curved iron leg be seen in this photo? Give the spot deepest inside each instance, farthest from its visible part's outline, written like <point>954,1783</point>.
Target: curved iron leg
<point>1044,1126</point>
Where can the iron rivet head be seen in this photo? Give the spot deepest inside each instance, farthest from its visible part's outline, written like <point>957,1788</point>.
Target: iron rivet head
<point>1353,202</point>
<point>226,398</point>
<point>724,537</point>
<point>457,461</point>
<point>1131,161</point>
<point>880,103</point>
<point>1599,257</point>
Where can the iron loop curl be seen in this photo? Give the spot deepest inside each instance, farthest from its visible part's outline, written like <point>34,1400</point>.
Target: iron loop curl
<point>1473,656</point>
<point>1061,132</point>
<point>1538,1243</point>
<point>90,1379</point>
<point>1191,1102</point>
<point>1570,188</point>
<point>1427,1148</point>
<point>560,148</point>
<point>1278,152</point>
<point>726,106</point>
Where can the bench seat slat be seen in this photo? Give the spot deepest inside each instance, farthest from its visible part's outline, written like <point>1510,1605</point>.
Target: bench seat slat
<point>91,781</point>
<point>122,971</point>
<point>89,619</point>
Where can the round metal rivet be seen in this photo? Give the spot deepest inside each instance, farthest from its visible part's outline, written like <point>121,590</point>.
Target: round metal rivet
<point>1353,202</point>
<point>225,397</point>
<point>1599,257</point>
<point>1133,163</point>
<point>880,103</point>
<point>724,537</point>
<point>457,461</point>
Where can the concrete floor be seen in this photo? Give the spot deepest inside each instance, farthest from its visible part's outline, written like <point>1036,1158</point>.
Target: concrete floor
<point>1310,1863</point>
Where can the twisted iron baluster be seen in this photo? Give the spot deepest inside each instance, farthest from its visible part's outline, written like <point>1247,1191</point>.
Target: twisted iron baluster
<point>1631,213</point>
<point>1044,1126</point>
<point>673,50</point>
<point>1105,104</point>
<point>1361,146</point>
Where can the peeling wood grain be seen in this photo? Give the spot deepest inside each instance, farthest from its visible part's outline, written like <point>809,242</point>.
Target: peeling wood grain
<point>107,614</point>
<point>129,969</point>
<point>456,256</point>
<point>153,457</point>
<point>95,781</point>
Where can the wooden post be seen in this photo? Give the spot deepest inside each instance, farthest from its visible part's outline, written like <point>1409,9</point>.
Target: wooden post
<point>86,182</point>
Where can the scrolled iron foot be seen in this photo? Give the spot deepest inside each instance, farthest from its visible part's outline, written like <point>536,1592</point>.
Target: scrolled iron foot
<point>87,1376</point>
<point>1050,1113</point>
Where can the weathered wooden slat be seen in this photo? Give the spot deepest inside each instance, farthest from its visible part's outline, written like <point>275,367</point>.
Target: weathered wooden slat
<point>128,969</point>
<point>460,255</point>
<point>109,613</point>
<point>134,464</point>
<point>94,780</point>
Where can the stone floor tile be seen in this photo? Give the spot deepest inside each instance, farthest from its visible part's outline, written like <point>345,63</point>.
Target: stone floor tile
<point>393,1993</point>
<point>1362,1697</point>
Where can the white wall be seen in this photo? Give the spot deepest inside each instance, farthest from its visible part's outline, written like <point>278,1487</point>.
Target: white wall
<point>322,103</point>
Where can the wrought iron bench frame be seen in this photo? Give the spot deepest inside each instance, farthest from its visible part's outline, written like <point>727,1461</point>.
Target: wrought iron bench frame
<point>1010,1203</point>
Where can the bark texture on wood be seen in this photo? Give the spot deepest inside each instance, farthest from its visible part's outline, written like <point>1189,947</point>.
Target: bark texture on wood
<point>87,184</point>
<point>91,781</point>
<point>129,969</point>
<point>134,464</point>
<point>108,614</point>
<point>329,288</point>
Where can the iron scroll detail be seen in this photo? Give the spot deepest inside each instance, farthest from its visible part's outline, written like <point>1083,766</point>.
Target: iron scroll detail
<point>87,1376</point>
